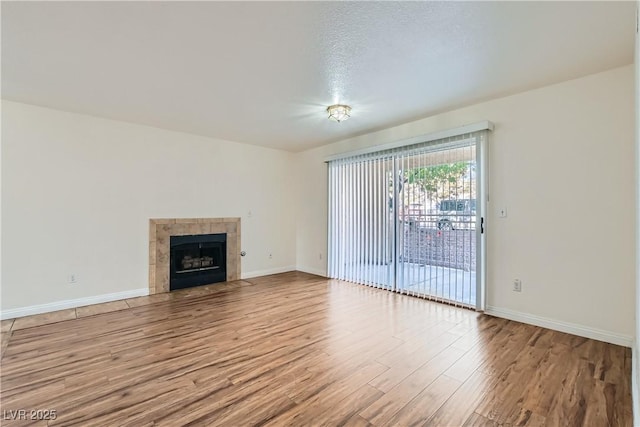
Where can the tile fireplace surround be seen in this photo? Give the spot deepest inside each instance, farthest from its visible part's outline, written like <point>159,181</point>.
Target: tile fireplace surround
<point>161,229</point>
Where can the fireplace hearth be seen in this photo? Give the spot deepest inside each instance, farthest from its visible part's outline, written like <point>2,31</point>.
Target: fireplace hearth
<point>197,260</point>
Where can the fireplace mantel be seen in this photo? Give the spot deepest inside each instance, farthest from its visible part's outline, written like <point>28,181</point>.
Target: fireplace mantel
<point>160,229</point>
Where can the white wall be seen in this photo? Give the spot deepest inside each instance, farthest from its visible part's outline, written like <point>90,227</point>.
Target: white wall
<point>562,162</point>
<point>78,192</point>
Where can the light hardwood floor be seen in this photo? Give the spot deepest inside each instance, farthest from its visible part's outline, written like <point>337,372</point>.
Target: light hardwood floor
<point>296,349</point>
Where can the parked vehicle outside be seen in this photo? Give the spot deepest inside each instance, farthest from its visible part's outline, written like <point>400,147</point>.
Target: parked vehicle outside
<point>457,214</point>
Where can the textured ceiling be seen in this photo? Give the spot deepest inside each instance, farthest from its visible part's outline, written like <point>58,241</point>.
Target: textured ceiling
<point>264,72</point>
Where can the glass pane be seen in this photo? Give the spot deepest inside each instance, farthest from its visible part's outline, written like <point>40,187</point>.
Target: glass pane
<point>437,225</point>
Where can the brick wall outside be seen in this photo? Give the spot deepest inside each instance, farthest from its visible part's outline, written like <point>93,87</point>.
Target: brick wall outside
<point>443,248</point>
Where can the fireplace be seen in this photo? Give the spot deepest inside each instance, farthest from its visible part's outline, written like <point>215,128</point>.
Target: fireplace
<point>197,260</point>
<point>161,230</point>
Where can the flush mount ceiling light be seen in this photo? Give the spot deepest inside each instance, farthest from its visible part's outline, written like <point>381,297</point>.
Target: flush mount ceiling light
<point>339,112</point>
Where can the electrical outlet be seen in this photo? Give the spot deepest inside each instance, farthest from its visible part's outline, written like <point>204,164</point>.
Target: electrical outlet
<point>73,279</point>
<point>517,285</point>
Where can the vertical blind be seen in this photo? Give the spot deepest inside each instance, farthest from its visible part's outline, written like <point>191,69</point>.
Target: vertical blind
<point>407,219</point>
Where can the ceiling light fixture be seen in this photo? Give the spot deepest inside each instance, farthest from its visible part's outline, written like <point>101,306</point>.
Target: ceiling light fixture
<point>339,112</point>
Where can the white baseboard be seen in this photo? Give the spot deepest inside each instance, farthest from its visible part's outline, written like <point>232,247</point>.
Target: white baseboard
<point>635,398</point>
<point>258,273</point>
<point>557,325</point>
<point>71,303</point>
<point>310,270</point>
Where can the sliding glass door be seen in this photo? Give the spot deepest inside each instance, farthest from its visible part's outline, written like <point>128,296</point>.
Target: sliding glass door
<point>410,219</point>
<point>437,224</point>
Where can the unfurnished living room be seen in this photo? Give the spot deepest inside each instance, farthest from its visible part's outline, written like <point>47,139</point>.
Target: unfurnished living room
<point>319,213</point>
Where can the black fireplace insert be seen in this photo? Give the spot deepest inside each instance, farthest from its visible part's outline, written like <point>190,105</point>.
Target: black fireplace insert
<point>197,260</point>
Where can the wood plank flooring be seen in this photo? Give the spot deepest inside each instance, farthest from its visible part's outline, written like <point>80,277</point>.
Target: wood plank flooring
<point>295,349</point>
